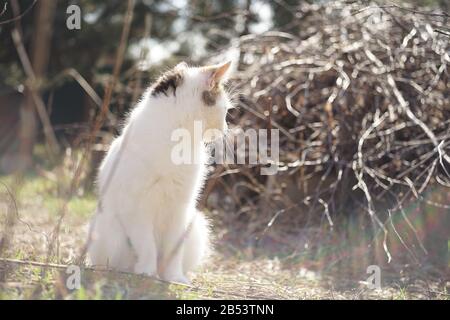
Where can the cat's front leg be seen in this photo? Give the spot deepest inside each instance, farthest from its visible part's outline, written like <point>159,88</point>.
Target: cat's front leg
<point>171,265</point>
<point>146,262</point>
<point>144,245</point>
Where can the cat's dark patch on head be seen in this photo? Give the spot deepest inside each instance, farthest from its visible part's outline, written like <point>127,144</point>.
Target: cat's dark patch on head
<point>168,81</point>
<point>210,97</point>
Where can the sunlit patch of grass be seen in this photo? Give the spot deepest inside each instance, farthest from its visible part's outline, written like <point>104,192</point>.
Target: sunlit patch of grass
<point>27,283</point>
<point>38,191</point>
<point>445,294</point>
<point>183,293</point>
<point>40,156</point>
<point>84,206</point>
<point>401,294</point>
<point>77,206</point>
<point>96,293</point>
<point>19,254</point>
<point>81,294</point>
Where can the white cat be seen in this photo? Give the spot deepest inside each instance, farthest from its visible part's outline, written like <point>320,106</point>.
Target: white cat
<point>146,221</point>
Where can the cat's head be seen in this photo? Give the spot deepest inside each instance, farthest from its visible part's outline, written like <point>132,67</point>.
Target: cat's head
<point>199,92</point>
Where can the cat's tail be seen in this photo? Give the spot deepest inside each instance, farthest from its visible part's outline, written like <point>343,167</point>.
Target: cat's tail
<point>197,246</point>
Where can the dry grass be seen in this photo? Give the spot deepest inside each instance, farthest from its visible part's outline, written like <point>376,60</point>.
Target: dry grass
<point>236,271</point>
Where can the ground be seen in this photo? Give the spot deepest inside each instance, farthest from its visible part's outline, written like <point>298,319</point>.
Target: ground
<point>235,271</point>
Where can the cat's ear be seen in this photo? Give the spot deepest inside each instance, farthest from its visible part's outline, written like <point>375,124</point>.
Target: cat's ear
<point>217,73</point>
<point>181,66</point>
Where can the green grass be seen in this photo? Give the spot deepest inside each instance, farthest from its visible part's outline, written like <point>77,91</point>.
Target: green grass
<point>36,189</point>
<point>401,294</point>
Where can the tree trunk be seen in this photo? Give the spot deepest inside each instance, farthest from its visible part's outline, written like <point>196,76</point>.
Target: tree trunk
<point>45,10</point>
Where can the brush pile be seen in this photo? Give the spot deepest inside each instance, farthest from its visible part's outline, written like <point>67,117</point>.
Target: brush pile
<point>361,98</point>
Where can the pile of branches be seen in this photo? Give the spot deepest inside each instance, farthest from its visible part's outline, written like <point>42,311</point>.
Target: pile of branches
<point>361,98</point>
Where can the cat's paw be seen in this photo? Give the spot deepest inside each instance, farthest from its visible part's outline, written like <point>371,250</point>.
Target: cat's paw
<point>149,272</point>
<point>177,279</point>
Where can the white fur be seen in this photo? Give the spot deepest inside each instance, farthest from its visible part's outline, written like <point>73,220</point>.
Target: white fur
<point>149,202</point>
